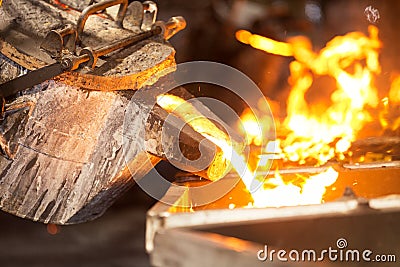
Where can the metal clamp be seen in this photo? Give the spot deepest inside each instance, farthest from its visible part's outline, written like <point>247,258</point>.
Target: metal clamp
<point>90,10</point>
<point>58,40</point>
<point>92,56</point>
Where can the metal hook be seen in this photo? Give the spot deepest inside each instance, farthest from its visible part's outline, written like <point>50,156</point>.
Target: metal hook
<point>90,10</point>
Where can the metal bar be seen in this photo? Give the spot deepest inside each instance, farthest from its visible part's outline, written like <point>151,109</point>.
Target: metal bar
<point>178,247</point>
<point>127,42</point>
<point>30,79</point>
<point>90,56</point>
<point>372,165</point>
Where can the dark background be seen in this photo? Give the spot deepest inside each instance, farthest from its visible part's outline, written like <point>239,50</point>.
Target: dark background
<point>117,238</point>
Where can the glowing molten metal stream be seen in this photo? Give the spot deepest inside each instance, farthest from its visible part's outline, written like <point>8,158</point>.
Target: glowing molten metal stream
<point>188,113</point>
<point>310,190</point>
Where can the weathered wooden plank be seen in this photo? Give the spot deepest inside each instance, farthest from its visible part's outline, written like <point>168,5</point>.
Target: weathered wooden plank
<point>68,152</point>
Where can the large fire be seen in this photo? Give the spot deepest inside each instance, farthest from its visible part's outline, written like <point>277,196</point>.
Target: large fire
<point>313,133</point>
<point>321,133</point>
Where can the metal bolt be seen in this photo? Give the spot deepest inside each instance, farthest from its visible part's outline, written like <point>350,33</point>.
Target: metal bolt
<point>66,64</point>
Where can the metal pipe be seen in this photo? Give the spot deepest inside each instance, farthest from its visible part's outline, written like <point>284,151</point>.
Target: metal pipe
<point>91,55</point>
<point>127,42</point>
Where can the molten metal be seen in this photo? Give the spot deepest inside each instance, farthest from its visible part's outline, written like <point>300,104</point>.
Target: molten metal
<point>188,113</point>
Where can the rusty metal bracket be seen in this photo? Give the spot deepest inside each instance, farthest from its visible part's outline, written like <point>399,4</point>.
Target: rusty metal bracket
<point>149,15</point>
<point>91,63</point>
<point>58,40</point>
<point>90,10</point>
<point>69,62</point>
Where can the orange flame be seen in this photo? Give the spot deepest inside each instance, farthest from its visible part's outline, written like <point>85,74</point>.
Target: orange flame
<point>313,132</point>
<point>389,117</point>
<point>322,134</point>
<point>394,93</point>
<point>264,43</point>
<point>277,192</point>
<point>251,127</point>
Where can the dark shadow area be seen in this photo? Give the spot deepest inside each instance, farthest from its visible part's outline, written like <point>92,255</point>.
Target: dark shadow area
<point>115,239</point>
